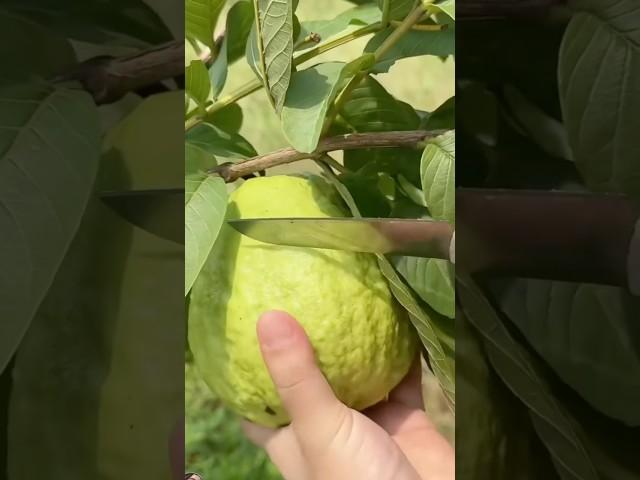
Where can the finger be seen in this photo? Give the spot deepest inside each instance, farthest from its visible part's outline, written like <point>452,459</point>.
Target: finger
<point>305,393</point>
<point>282,447</point>
<point>409,390</point>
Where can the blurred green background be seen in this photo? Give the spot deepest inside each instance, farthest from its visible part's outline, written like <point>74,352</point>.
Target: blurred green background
<point>215,446</point>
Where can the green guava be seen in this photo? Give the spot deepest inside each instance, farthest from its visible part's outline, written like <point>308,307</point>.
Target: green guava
<point>362,338</point>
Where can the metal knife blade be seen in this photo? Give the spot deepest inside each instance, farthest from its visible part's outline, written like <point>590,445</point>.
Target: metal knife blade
<point>419,238</point>
<point>158,211</point>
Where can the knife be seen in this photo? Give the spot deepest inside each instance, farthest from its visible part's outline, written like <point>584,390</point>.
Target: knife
<point>420,238</point>
<point>157,211</point>
<point>581,237</point>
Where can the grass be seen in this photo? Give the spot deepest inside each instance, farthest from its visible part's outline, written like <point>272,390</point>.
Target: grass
<point>215,445</point>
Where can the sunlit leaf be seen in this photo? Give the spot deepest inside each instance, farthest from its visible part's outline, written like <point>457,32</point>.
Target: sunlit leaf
<point>205,206</point>
<point>437,170</point>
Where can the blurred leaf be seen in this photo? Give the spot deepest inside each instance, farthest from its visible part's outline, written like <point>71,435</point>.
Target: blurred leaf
<point>399,8</point>
<point>547,132</point>
<point>36,51</point>
<point>197,159</point>
<point>121,22</point>
<point>599,57</point>
<point>228,118</point>
<point>219,142</point>
<point>252,53</point>
<point>198,84</point>
<point>519,372</point>
<point>413,44</point>
<point>274,35</point>
<point>587,334</point>
<point>442,118</point>
<point>438,170</point>
<point>310,94</point>
<point>345,22</point>
<point>412,192</point>
<point>448,7</point>
<point>49,151</point>
<point>239,22</point>
<point>443,362</point>
<point>205,206</point>
<point>432,280</point>
<point>200,17</point>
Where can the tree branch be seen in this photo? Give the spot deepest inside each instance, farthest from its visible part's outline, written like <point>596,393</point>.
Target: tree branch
<point>108,79</point>
<point>409,139</point>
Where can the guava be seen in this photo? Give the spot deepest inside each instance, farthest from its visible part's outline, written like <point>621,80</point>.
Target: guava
<point>362,338</point>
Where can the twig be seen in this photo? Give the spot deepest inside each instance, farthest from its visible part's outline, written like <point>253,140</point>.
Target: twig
<point>333,163</point>
<point>108,79</point>
<point>409,139</point>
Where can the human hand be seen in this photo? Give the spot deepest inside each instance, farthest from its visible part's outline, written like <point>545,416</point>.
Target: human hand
<point>326,440</point>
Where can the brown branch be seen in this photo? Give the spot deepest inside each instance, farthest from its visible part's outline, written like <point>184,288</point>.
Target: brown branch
<point>108,79</point>
<point>409,139</point>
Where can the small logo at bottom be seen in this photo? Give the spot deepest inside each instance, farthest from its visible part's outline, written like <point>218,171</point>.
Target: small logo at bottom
<point>192,476</point>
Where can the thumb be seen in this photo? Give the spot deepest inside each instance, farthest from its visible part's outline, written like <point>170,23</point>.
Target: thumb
<point>305,393</point>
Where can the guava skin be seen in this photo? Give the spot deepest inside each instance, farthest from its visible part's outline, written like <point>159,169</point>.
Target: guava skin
<point>362,338</point>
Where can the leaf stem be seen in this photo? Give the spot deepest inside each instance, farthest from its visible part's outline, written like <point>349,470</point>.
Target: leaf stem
<point>386,11</point>
<point>256,84</point>
<point>407,24</point>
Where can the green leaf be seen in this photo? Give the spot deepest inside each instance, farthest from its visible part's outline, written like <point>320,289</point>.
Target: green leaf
<point>228,118</point>
<point>399,8</point>
<point>220,142</point>
<point>119,22</point>
<point>586,333</point>
<point>36,52</point>
<point>599,60</point>
<point>448,7</point>
<point>442,118</point>
<point>239,23</point>
<point>197,159</point>
<point>310,94</point>
<point>252,53</point>
<point>346,22</point>
<point>200,17</point>
<point>442,359</point>
<point>198,84</point>
<point>205,206</point>
<point>518,370</point>
<point>49,151</point>
<point>413,44</point>
<point>274,34</point>
<point>438,170</point>
<point>432,280</point>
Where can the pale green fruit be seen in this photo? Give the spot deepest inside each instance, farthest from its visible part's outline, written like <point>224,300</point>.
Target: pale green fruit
<point>362,339</point>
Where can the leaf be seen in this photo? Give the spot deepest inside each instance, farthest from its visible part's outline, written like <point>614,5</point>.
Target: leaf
<point>448,7</point>
<point>599,60</point>
<point>348,21</point>
<point>219,142</point>
<point>432,280</point>
<point>443,117</point>
<point>370,108</point>
<point>205,206</point>
<point>228,118</point>
<point>413,44</point>
<point>197,159</point>
<point>442,361</point>
<point>517,369</point>
<point>49,151</point>
<point>197,84</point>
<point>310,94</point>
<point>274,34</point>
<point>37,52</point>
<point>438,170</point>
<point>200,17</point>
<point>399,8</point>
<point>586,334</point>
<point>239,23</point>
<point>119,22</point>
